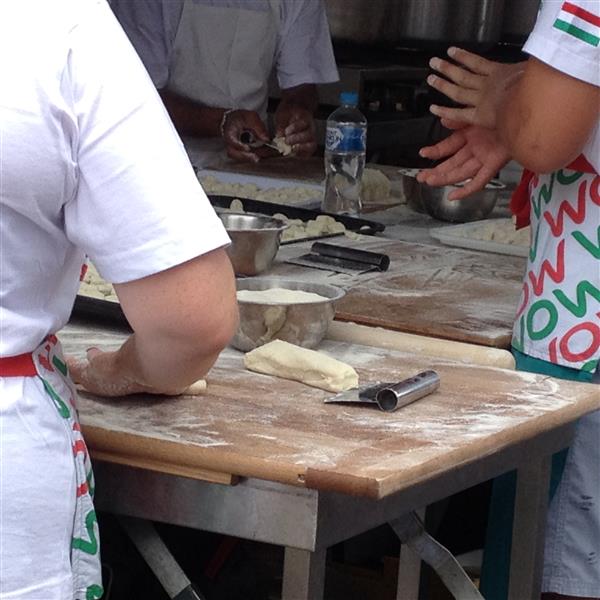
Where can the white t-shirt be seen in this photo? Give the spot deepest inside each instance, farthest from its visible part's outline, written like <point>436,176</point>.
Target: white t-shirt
<point>558,316</point>
<point>304,53</point>
<point>89,164</point>
<point>566,36</point>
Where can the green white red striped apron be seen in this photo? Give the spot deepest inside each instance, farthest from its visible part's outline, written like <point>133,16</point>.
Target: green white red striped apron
<point>47,363</point>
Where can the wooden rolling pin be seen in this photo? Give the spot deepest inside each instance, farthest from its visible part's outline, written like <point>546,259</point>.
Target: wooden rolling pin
<point>418,344</point>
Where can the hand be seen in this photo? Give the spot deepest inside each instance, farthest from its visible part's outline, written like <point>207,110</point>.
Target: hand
<point>100,374</point>
<point>480,85</point>
<point>237,122</point>
<point>471,152</point>
<point>297,125</point>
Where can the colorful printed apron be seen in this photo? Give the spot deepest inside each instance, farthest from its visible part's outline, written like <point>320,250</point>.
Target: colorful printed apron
<point>85,548</point>
<point>558,318</point>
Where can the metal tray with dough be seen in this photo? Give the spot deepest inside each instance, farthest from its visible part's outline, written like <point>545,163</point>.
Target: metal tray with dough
<point>267,187</point>
<point>461,237</point>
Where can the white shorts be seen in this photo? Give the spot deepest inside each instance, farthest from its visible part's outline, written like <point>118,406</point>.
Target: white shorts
<point>572,552</point>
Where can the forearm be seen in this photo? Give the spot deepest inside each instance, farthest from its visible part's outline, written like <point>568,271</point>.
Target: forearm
<point>166,363</point>
<point>182,318</point>
<point>547,118</point>
<point>192,118</point>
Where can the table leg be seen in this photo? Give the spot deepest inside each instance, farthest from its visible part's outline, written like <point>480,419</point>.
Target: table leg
<point>159,559</point>
<point>411,531</point>
<point>303,574</point>
<point>409,573</point>
<point>531,501</point>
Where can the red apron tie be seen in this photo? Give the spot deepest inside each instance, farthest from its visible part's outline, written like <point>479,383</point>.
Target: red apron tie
<point>17,366</point>
<point>519,201</point>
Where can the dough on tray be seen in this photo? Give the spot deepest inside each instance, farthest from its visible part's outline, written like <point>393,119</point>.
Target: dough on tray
<point>501,231</point>
<point>279,296</point>
<point>313,368</point>
<point>376,187</point>
<point>289,195</point>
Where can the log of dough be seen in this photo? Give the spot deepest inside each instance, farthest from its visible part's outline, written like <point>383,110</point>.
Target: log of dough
<point>313,368</point>
<point>419,344</point>
<point>196,389</point>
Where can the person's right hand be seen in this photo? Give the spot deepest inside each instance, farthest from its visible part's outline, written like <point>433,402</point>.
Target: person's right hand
<point>101,375</point>
<point>236,123</point>
<point>478,84</point>
<point>471,152</point>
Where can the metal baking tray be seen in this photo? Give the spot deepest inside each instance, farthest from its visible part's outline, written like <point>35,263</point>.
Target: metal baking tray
<point>363,226</point>
<point>458,236</point>
<point>101,311</point>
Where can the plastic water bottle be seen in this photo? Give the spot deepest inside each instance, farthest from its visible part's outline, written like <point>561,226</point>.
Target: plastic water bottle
<point>345,149</point>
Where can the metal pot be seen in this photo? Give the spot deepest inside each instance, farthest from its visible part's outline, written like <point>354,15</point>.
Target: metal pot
<point>451,21</point>
<point>415,21</point>
<point>363,21</point>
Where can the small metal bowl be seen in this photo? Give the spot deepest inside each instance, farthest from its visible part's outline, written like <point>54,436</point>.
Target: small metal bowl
<point>304,324</point>
<point>255,240</point>
<point>477,206</point>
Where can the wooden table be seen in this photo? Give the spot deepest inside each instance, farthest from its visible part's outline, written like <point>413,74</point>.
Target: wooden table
<point>428,290</point>
<point>314,474</point>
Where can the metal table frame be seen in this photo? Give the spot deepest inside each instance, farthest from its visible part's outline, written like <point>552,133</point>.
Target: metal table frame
<point>308,521</point>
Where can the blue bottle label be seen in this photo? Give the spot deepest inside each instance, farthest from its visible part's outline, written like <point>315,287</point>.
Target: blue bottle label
<point>345,138</point>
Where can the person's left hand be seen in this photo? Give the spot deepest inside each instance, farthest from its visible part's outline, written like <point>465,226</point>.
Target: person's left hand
<point>236,123</point>
<point>478,84</point>
<point>296,124</point>
<point>471,152</point>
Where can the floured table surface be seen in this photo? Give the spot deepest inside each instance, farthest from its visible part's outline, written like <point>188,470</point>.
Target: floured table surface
<point>255,425</point>
<point>428,290</point>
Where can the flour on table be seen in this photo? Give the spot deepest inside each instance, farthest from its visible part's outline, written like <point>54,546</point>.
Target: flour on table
<point>279,296</point>
<point>313,368</point>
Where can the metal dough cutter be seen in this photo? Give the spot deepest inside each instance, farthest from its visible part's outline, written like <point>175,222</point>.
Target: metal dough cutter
<point>390,396</point>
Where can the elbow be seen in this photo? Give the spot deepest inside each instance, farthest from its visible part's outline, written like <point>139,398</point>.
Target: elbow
<point>540,162</point>
<point>222,332</point>
<point>536,146</point>
<point>207,337</point>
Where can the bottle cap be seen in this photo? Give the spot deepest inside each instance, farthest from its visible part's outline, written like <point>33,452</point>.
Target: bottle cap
<point>350,98</point>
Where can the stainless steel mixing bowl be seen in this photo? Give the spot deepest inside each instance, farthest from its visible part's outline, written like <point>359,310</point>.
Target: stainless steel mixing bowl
<point>255,240</point>
<point>303,324</point>
<point>477,206</point>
